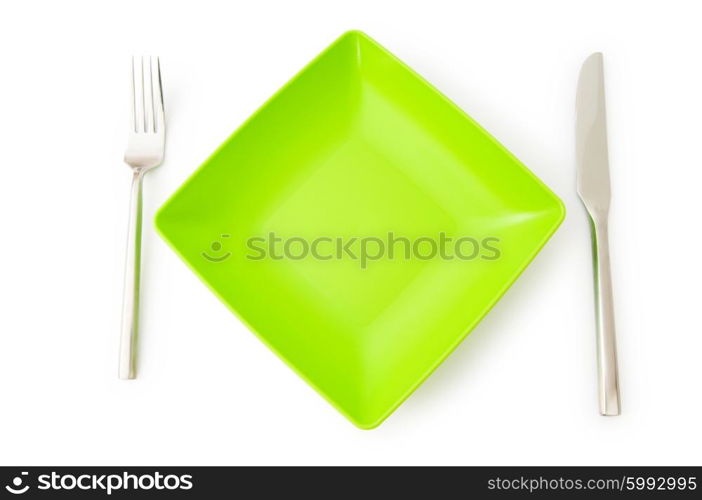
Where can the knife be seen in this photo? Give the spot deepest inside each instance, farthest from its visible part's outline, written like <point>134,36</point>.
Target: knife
<point>594,191</point>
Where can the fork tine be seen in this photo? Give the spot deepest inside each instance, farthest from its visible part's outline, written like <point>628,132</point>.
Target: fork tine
<point>152,106</point>
<point>148,95</point>
<point>138,94</point>
<point>157,98</point>
<point>132,110</point>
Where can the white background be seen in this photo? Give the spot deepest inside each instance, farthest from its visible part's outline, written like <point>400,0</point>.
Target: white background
<point>520,390</point>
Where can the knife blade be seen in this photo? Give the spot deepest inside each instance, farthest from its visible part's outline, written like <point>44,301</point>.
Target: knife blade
<point>591,137</point>
<point>593,186</point>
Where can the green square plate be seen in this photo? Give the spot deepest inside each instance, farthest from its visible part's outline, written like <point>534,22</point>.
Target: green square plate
<point>357,145</point>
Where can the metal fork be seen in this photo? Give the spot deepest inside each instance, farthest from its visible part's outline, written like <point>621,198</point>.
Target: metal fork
<point>145,149</point>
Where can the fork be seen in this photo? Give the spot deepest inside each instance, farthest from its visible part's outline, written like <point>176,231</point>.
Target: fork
<point>145,149</point>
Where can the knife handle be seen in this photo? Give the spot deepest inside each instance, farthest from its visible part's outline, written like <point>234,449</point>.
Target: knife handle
<point>607,373</point>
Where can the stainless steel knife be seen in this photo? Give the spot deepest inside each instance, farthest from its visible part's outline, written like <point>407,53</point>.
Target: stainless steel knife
<point>594,191</point>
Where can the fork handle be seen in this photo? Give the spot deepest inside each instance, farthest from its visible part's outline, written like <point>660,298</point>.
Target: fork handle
<point>607,373</point>
<point>130,305</point>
